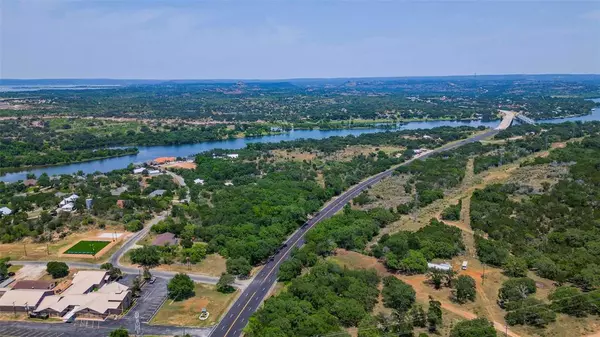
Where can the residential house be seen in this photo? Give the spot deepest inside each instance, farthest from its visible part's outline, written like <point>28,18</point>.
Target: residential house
<point>199,181</point>
<point>154,172</point>
<point>156,193</point>
<point>233,155</point>
<point>29,182</point>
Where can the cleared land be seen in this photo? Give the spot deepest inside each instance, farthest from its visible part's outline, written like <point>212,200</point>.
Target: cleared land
<point>185,313</point>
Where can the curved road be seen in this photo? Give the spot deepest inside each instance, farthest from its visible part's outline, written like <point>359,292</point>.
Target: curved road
<point>234,321</point>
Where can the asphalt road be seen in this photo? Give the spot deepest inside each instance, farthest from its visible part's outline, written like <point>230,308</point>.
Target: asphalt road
<point>236,318</point>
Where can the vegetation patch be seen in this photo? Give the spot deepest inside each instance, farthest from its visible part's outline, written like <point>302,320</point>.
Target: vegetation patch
<point>186,312</point>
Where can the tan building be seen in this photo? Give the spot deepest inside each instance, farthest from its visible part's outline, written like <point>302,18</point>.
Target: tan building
<point>23,300</point>
<point>89,296</point>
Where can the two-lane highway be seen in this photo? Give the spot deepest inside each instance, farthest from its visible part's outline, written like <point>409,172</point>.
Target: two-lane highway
<point>234,321</point>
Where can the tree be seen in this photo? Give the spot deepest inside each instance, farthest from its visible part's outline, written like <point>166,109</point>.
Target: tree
<point>436,277</point>
<point>464,289</point>
<point>115,273</point>
<point>397,294</point>
<point>238,267</point>
<point>180,287</point>
<point>106,266</point>
<point>515,267</point>
<point>434,314</point>
<point>147,256</point>
<point>418,315</point>
<point>348,311</point>
<point>57,269</point>
<point>289,269</point>
<point>4,268</point>
<point>147,275</point>
<point>414,263</point>
<point>529,311</point>
<point>589,278</point>
<point>225,283</point>
<point>479,327</point>
<point>121,332</point>
<point>516,289</point>
<point>368,327</point>
<point>570,301</point>
<point>136,287</point>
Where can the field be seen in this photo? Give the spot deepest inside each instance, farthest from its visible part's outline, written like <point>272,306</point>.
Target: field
<point>87,247</point>
<point>185,313</point>
<point>30,251</point>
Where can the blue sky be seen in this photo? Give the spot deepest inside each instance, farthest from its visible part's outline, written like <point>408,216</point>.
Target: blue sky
<point>293,39</point>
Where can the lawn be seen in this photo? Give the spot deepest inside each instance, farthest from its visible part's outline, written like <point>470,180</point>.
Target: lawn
<point>185,313</point>
<point>87,247</point>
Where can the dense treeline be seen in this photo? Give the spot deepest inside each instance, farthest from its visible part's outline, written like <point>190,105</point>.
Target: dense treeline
<point>320,101</point>
<point>321,302</point>
<point>553,232</point>
<point>409,251</point>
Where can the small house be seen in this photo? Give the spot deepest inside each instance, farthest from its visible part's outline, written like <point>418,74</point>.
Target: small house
<point>156,193</point>
<point>30,182</point>
<point>233,155</point>
<point>199,181</point>
<point>154,172</point>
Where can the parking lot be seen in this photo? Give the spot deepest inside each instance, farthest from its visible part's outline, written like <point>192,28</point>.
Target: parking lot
<point>72,332</point>
<point>153,296</point>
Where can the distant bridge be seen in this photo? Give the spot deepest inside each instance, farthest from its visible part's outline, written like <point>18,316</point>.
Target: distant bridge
<point>524,119</point>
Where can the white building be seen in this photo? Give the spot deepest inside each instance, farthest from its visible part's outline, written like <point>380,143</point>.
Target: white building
<point>439,266</point>
<point>69,200</point>
<point>5,211</point>
<point>233,155</point>
<point>154,172</point>
<point>139,170</point>
<point>199,181</point>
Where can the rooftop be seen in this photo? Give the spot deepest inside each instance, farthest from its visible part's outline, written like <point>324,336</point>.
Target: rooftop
<point>33,284</point>
<point>84,280</point>
<point>21,298</point>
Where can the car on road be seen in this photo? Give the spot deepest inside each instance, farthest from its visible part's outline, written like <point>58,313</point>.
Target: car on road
<point>152,280</point>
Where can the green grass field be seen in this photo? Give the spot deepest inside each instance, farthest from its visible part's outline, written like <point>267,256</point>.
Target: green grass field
<point>87,247</point>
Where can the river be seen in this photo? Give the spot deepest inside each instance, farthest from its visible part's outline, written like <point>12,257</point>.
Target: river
<point>147,153</point>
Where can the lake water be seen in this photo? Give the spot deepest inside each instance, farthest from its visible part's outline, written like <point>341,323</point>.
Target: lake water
<point>150,152</point>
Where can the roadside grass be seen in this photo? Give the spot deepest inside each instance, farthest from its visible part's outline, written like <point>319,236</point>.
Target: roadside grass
<point>14,268</point>
<point>186,312</point>
<point>388,193</point>
<point>212,265</point>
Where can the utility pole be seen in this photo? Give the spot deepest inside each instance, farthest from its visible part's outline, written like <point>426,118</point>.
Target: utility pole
<point>483,275</point>
<point>25,248</point>
<point>47,249</point>
<point>416,205</point>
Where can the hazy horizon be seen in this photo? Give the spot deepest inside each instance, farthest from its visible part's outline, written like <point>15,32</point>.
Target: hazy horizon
<point>276,40</point>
